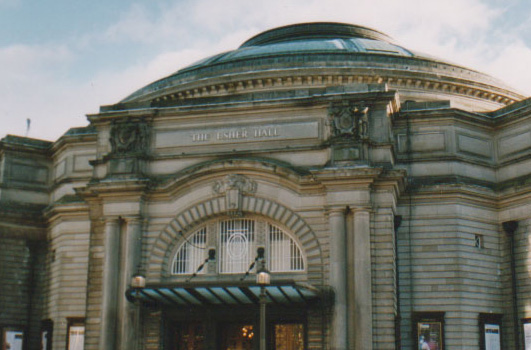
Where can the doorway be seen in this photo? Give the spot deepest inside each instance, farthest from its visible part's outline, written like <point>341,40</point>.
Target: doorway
<point>236,336</point>
<point>189,336</point>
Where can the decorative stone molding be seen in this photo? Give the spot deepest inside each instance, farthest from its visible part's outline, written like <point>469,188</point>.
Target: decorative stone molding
<point>481,92</point>
<point>349,119</point>
<point>129,137</point>
<point>234,186</point>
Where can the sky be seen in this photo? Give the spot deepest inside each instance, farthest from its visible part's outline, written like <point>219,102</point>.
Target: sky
<point>62,59</point>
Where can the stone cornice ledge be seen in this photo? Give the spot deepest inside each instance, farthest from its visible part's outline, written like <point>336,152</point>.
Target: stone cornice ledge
<point>363,176</point>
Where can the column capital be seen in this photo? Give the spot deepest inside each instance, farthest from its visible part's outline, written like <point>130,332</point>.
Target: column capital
<point>132,219</point>
<point>337,210</point>
<point>110,219</point>
<point>358,209</point>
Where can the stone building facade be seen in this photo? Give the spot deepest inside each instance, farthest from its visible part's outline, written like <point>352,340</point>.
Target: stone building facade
<point>388,194</point>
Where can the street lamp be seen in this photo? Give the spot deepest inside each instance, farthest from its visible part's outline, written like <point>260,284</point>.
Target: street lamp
<point>137,283</point>
<point>263,279</point>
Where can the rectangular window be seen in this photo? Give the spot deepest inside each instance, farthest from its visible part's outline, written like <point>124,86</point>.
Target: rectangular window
<point>76,334</point>
<point>490,331</point>
<point>429,330</point>
<point>478,241</point>
<point>13,338</point>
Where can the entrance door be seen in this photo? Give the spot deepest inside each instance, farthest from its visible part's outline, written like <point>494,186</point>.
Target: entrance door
<point>234,335</point>
<point>190,336</point>
<point>237,336</point>
<point>288,336</point>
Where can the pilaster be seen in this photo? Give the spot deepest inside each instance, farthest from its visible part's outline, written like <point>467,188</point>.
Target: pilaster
<point>338,277</point>
<point>111,264</point>
<point>360,282</point>
<point>130,258</point>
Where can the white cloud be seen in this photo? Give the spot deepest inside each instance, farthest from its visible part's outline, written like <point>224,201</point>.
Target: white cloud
<point>517,56</point>
<point>28,84</point>
<point>40,81</point>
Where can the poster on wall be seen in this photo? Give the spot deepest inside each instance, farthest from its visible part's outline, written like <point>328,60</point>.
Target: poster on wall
<point>492,337</point>
<point>429,335</point>
<point>13,339</point>
<point>527,335</point>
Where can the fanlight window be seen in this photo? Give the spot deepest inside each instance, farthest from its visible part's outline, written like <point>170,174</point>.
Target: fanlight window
<point>284,254</point>
<point>191,254</point>
<point>236,242</point>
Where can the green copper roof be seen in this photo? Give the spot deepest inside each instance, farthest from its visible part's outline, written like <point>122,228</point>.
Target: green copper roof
<point>314,48</point>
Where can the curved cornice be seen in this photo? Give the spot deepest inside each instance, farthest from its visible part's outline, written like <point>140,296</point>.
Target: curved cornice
<point>272,81</point>
<point>255,165</point>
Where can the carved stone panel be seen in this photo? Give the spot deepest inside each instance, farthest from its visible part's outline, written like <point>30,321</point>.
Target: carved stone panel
<point>129,137</point>
<point>349,119</point>
<point>233,187</point>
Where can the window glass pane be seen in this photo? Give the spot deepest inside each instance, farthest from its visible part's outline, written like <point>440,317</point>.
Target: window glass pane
<point>237,245</point>
<point>190,336</point>
<point>284,254</point>
<point>191,254</point>
<point>13,339</point>
<point>429,334</point>
<point>237,337</point>
<point>289,336</point>
<point>76,337</point>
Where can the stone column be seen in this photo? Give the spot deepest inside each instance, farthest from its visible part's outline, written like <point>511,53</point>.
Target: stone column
<point>111,265</point>
<point>360,284</point>
<point>338,278</point>
<point>131,254</point>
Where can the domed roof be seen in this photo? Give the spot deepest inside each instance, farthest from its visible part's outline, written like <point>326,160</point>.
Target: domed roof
<point>325,54</point>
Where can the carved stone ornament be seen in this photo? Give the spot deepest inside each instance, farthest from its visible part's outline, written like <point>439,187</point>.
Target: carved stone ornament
<point>233,187</point>
<point>129,137</point>
<point>349,119</point>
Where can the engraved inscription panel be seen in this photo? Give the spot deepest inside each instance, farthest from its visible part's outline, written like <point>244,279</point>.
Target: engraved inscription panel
<point>513,144</point>
<point>237,134</point>
<point>474,145</point>
<point>29,173</point>
<point>423,142</point>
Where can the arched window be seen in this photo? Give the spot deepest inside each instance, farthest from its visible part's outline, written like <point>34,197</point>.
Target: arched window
<point>237,245</point>
<point>191,254</point>
<point>236,242</point>
<point>284,254</point>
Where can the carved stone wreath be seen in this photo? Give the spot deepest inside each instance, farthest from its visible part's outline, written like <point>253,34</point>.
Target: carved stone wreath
<point>349,119</point>
<point>129,137</point>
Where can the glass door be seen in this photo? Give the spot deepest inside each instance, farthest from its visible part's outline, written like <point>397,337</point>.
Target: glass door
<point>288,336</point>
<point>190,336</point>
<point>237,336</point>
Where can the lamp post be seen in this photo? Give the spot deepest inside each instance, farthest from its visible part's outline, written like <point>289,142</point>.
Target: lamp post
<point>137,283</point>
<point>263,279</point>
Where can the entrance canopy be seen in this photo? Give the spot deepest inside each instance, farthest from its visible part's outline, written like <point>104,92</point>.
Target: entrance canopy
<point>220,294</point>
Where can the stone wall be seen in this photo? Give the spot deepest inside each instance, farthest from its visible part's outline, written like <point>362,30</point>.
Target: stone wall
<point>22,266</point>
